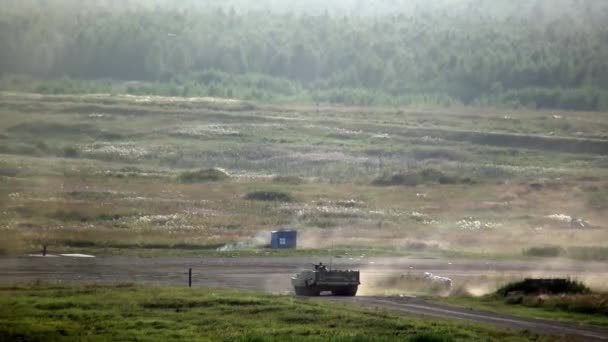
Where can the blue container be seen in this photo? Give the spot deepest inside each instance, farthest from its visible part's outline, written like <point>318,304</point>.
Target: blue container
<point>280,239</point>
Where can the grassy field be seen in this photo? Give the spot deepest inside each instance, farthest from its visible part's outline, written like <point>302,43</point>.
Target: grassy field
<point>575,309</point>
<point>125,312</point>
<point>555,299</point>
<point>124,174</point>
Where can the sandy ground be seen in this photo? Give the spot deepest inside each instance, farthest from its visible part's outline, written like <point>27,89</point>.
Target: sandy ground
<point>272,275</point>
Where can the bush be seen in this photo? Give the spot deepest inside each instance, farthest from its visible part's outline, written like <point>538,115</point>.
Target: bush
<point>545,251</point>
<point>438,153</point>
<point>76,216</point>
<point>208,175</point>
<point>11,243</point>
<point>71,152</point>
<point>598,253</point>
<point>288,180</point>
<point>599,199</point>
<point>544,286</point>
<point>426,176</point>
<point>588,253</point>
<point>67,216</point>
<point>269,196</point>
<point>8,171</point>
<point>574,99</point>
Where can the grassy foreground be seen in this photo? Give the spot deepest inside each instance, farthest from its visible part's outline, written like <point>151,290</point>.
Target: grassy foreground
<point>574,309</point>
<point>51,313</point>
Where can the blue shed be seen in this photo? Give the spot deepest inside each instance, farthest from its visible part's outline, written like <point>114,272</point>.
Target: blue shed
<point>283,239</point>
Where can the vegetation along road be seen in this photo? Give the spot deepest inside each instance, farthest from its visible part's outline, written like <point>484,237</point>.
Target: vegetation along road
<point>271,274</point>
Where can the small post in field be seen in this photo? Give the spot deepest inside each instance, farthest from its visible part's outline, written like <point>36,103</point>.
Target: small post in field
<point>189,277</point>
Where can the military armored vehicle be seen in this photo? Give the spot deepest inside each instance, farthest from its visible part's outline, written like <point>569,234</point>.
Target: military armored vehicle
<point>322,279</point>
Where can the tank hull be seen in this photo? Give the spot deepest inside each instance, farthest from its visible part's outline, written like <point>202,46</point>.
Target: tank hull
<point>338,282</point>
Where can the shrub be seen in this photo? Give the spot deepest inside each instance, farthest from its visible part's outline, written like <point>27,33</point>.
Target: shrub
<point>598,253</point>
<point>544,286</point>
<point>599,199</point>
<point>67,216</point>
<point>278,196</point>
<point>76,216</point>
<point>288,180</point>
<point>11,243</point>
<point>8,171</point>
<point>438,153</point>
<point>71,152</point>
<point>588,253</point>
<point>208,175</point>
<point>425,176</point>
<point>545,251</point>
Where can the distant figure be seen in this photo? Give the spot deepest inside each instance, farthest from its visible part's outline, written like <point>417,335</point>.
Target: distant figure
<point>320,267</point>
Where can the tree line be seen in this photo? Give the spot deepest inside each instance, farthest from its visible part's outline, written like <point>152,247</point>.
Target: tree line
<point>402,58</point>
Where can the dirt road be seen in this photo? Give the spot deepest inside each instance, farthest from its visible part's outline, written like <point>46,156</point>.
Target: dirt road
<point>272,274</point>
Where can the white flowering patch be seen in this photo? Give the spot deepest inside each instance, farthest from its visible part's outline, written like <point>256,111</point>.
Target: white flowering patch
<point>344,131</point>
<point>351,203</point>
<point>99,115</point>
<point>423,218</point>
<point>123,150</point>
<point>472,224</point>
<point>535,170</point>
<point>418,215</point>
<point>203,212</point>
<point>205,130</point>
<point>430,139</point>
<point>338,209</point>
<point>326,157</point>
<point>574,222</point>
<point>158,219</point>
<point>561,218</point>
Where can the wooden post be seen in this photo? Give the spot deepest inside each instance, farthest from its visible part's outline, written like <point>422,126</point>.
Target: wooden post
<point>189,277</point>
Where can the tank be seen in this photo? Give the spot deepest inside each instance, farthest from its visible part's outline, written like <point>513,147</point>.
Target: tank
<point>322,279</point>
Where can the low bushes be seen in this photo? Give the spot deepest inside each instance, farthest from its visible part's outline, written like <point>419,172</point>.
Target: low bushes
<point>278,196</point>
<point>545,251</point>
<point>288,180</point>
<point>76,216</point>
<point>555,294</point>
<point>543,286</point>
<point>199,176</point>
<point>11,243</point>
<point>599,199</point>
<point>425,176</point>
<point>597,253</point>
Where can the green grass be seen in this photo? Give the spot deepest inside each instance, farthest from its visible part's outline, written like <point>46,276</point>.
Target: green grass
<point>558,299</point>
<point>587,253</point>
<point>125,312</point>
<point>552,310</point>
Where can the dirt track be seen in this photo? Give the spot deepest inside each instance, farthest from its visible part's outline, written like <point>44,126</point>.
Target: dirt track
<point>273,275</point>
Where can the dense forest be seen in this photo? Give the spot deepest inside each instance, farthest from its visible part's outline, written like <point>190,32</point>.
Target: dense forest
<point>539,54</point>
